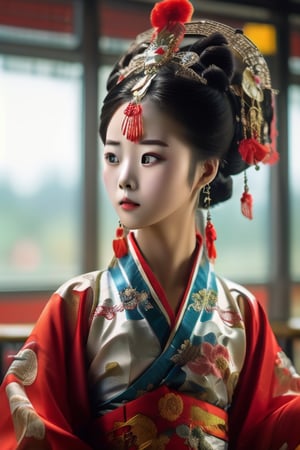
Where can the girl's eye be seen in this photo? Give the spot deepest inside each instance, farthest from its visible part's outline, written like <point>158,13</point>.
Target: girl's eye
<point>148,159</point>
<point>111,158</point>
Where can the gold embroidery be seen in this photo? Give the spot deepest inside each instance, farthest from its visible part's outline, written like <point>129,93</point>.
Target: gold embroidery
<point>204,299</point>
<point>131,297</point>
<point>170,406</point>
<point>140,430</point>
<point>158,443</point>
<point>200,415</point>
<point>111,366</point>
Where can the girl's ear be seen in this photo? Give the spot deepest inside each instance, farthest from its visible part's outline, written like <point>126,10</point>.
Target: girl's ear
<point>207,172</point>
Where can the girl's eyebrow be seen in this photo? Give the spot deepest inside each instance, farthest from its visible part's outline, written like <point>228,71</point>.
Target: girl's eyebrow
<point>111,142</point>
<point>154,142</point>
<point>143,142</point>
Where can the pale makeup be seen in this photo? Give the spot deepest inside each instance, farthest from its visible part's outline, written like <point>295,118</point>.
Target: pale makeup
<point>148,182</point>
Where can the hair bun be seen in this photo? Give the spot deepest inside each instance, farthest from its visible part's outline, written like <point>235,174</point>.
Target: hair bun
<point>219,56</point>
<point>216,78</point>
<point>214,39</point>
<point>215,61</point>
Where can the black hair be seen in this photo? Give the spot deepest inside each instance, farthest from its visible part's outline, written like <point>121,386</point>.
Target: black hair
<point>206,111</point>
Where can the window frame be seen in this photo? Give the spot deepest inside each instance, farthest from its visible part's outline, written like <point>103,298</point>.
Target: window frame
<point>88,52</point>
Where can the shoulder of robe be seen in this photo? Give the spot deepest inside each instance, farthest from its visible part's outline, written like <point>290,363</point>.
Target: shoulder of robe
<point>246,301</point>
<point>81,283</point>
<point>236,289</point>
<point>78,296</point>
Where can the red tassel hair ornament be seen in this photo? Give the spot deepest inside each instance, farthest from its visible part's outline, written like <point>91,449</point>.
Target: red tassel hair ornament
<point>254,147</point>
<point>253,151</point>
<point>167,18</point>
<point>120,245</point>
<point>132,124</point>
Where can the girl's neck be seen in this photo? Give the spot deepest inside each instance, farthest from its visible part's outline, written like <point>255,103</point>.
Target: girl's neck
<point>170,256</point>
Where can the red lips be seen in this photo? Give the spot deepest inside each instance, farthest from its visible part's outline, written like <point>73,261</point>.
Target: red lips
<point>128,204</point>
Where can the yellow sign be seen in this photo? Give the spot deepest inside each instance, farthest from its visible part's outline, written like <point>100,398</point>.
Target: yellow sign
<point>263,35</point>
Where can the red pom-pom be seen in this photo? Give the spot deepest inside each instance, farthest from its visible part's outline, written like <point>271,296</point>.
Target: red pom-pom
<point>247,205</point>
<point>252,151</point>
<point>169,11</point>
<point>210,236</point>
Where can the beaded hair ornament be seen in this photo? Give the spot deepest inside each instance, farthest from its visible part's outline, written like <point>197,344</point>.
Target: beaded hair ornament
<point>170,20</point>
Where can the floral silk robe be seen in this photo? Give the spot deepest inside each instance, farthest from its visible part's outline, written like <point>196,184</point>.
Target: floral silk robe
<point>110,366</point>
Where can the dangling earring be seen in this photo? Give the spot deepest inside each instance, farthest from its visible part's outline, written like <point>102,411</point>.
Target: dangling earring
<point>120,245</point>
<point>210,232</point>
<point>246,200</point>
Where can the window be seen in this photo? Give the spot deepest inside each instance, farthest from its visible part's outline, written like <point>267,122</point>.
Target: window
<point>40,134</point>
<point>243,244</point>
<point>44,23</point>
<point>108,220</point>
<point>44,117</point>
<point>294,120</point>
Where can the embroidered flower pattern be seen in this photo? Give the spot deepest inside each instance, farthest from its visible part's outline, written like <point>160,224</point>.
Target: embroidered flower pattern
<point>108,310</point>
<point>204,359</point>
<point>170,406</point>
<point>286,377</point>
<point>187,352</point>
<point>231,318</point>
<point>214,359</point>
<point>204,299</point>
<point>131,297</point>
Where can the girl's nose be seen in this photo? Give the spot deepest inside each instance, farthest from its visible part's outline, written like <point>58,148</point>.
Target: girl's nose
<point>127,184</point>
<point>127,180</point>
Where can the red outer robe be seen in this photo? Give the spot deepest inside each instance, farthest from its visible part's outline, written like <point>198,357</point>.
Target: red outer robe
<point>59,395</point>
<point>258,419</point>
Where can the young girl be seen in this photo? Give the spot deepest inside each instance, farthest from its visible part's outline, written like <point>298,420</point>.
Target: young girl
<point>157,352</point>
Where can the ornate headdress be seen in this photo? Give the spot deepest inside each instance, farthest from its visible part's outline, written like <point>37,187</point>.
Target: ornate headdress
<point>170,20</point>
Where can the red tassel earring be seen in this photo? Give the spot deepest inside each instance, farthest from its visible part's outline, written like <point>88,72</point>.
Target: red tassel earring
<point>120,245</point>
<point>210,231</point>
<point>247,200</point>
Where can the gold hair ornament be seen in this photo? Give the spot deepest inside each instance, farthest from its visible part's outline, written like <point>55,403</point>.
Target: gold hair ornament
<point>167,18</point>
<point>171,22</point>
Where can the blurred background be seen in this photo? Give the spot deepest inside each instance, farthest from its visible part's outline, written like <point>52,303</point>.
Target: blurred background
<point>55,219</point>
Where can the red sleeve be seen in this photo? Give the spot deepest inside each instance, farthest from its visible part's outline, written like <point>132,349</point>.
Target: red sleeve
<point>264,414</point>
<point>44,398</point>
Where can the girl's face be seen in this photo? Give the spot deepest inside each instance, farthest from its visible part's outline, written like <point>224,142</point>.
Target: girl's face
<point>148,182</point>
